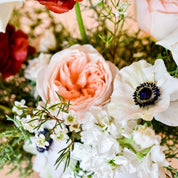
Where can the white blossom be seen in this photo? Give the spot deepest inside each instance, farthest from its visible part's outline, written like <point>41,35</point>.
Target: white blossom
<point>18,107</point>
<point>41,141</point>
<point>60,133</point>
<point>30,123</point>
<point>143,91</point>
<point>122,9</point>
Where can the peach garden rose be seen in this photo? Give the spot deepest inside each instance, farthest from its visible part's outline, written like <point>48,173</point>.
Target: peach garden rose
<point>79,74</point>
<point>158,18</point>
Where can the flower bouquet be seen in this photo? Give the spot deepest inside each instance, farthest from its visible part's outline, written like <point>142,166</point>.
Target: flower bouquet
<point>97,100</point>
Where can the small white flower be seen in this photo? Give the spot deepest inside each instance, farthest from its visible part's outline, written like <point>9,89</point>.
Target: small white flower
<point>41,141</point>
<point>30,123</point>
<point>143,91</point>
<point>18,107</point>
<point>122,9</point>
<point>60,133</point>
<point>75,127</point>
<point>70,118</point>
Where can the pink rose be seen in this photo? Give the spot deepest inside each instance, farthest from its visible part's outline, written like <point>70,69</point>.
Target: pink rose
<point>158,18</point>
<point>79,74</point>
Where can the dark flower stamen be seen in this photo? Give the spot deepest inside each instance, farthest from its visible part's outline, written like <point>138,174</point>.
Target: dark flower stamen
<point>48,139</point>
<point>146,94</point>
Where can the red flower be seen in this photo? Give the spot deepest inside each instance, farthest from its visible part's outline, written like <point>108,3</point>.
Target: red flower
<point>59,6</point>
<point>14,48</point>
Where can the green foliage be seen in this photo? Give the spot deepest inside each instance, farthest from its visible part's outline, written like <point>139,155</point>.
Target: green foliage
<point>170,171</point>
<point>12,153</point>
<point>15,88</point>
<point>64,154</point>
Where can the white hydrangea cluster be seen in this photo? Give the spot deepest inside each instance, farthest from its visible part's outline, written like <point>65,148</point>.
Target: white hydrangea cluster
<point>111,147</point>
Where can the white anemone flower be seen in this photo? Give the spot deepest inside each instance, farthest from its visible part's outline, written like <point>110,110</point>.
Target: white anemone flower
<point>44,163</point>
<point>145,91</point>
<point>6,8</point>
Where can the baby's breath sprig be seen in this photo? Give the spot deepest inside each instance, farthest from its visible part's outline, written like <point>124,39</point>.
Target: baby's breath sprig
<point>113,12</point>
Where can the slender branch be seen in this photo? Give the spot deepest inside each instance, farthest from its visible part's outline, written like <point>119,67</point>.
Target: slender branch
<point>80,22</point>
<point>5,108</point>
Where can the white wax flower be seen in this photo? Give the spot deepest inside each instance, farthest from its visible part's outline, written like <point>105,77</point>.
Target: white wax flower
<point>60,133</point>
<point>6,8</point>
<point>30,123</point>
<point>41,141</point>
<point>171,42</point>
<point>72,120</point>
<point>145,91</point>
<point>18,107</point>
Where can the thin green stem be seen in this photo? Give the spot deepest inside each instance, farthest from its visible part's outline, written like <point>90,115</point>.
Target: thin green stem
<point>80,22</point>
<point>5,108</point>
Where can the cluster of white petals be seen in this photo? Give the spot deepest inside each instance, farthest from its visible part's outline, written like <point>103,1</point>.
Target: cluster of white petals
<point>102,152</point>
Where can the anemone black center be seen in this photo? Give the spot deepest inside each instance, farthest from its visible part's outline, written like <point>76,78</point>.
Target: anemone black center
<point>146,94</point>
